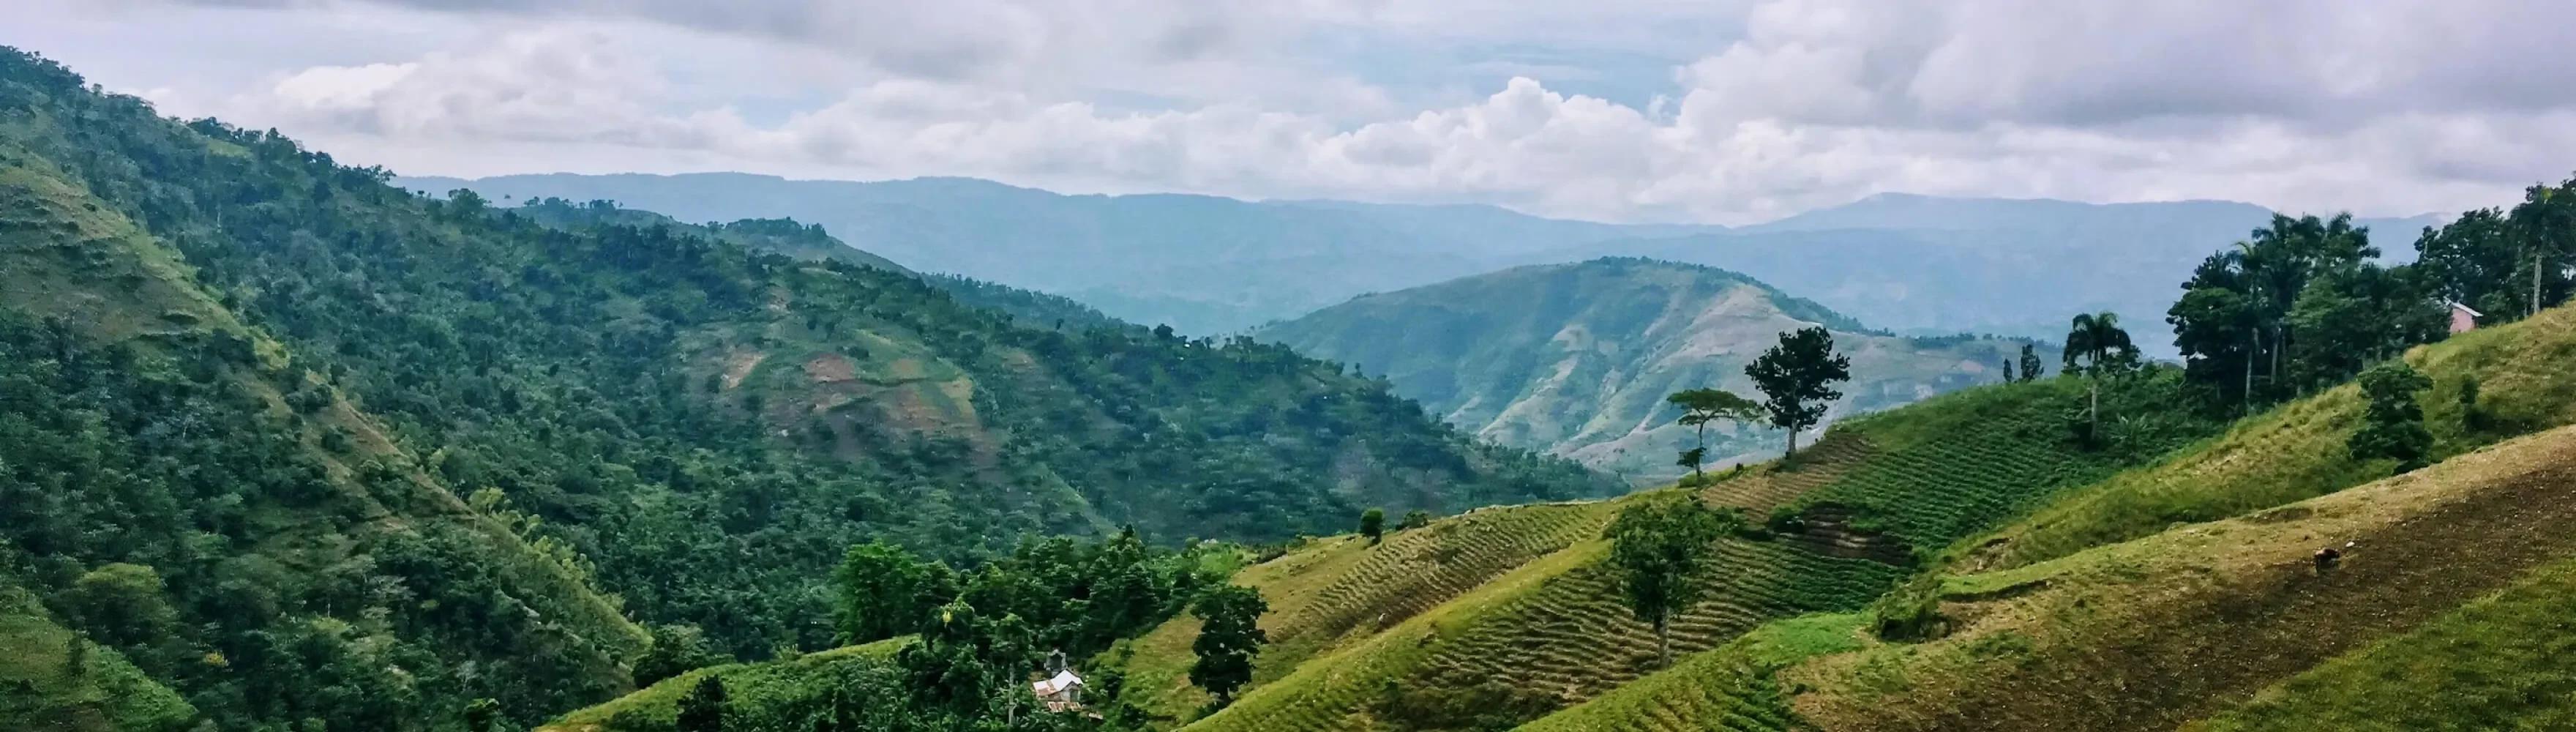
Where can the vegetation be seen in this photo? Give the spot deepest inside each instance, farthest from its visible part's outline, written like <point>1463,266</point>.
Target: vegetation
<point>1658,547</point>
<point>1228,636</point>
<point>1373,524</point>
<point>279,375</point>
<point>2096,346</point>
<point>1702,406</point>
<point>1797,377</point>
<point>2392,421</point>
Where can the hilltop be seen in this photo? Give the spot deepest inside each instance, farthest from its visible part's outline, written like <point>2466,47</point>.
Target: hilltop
<point>369,456</point>
<point>1576,359</point>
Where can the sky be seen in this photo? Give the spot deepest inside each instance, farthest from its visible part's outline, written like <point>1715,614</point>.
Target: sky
<point>1719,111</point>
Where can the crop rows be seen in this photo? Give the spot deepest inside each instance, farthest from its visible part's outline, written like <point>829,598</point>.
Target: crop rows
<point>1416,570</point>
<point>1572,636</point>
<point>1961,481</point>
<point>1760,489</point>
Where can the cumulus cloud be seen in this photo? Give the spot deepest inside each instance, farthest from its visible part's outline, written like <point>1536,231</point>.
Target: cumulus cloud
<point>1769,107</point>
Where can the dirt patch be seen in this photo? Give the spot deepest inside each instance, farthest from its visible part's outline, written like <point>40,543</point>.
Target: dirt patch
<point>739,366</point>
<point>2200,619</point>
<point>831,368</point>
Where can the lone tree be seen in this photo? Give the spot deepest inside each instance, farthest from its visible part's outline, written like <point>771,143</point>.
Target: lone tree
<point>1227,639</point>
<point>1658,548</point>
<point>1373,525</point>
<point>2030,363</point>
<point>2095,345</point>
<point>703,708</point>
<point>2393,423</point>
<point>1797,379</point>
<point>1702,406</point>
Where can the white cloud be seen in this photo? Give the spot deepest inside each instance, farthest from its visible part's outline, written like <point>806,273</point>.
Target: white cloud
<point>2393,107</point>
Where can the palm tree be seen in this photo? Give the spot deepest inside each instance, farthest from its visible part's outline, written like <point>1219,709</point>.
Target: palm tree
<point>2095,344</point>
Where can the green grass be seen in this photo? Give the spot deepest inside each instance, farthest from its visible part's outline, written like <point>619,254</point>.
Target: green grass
<point>2505,662</point>
<point>1543,636</point>
<point>1961,463</point>
<point>2527,382</point>
<point>2154,633</point>
<point>748,686</point>
<point>41,691</point>
<point>1727,688</point>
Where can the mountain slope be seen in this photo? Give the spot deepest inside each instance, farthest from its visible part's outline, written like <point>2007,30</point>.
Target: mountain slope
<point>378,455</point>
<point>1576,359</point>
<point>1202,264</point>
<point>1912,264</point>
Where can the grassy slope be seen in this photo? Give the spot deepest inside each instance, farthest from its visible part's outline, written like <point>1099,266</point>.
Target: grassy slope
<point>2297,451</point>
<point>2272,459</point>
<point>103,693</point>
<point>1555,623</point>
<point>2154,633</point>
<point>2504,662</point>
<point>745,683</point>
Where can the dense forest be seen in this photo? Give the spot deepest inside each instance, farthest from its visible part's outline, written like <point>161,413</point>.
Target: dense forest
<point>317,448</point>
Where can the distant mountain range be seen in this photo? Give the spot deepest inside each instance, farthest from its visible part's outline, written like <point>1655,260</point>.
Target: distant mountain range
<point>1576,359</point>
<point>1205,264</point>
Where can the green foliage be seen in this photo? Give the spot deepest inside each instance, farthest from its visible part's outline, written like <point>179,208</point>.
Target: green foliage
<point>1373,524</point>
<point>886,591</point>
<point>703,709</point>
<point>1658,547</point>
<point>2031,366</point>
<point>2298,306</point>
<point>1228,638</point>
<point>1797,377</point>
<point>1702,406</point>
<point>454,346</point>
<point>1415,519</point>
<point>2096,347</point>
<point>2392,420</point>
<point>675,649</point>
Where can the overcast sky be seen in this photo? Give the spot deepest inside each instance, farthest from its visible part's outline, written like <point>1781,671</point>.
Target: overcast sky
<point>1722,111</point>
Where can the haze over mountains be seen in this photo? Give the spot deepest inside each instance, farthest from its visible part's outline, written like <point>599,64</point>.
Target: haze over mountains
<point>1207,265</point>
<point>1576,359</point>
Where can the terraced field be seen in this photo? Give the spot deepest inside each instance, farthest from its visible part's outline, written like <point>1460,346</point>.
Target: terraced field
<point>1343,588</point>
<point>1758,489</point>
<point>1730,688</point>
<point>1965,462</point>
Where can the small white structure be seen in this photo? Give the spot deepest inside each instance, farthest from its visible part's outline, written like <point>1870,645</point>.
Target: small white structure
<point>1060,693</point>
<point>2464,319</point>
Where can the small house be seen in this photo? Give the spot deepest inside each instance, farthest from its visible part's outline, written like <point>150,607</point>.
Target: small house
<point>2464,319</point>
<point>1060,693</point>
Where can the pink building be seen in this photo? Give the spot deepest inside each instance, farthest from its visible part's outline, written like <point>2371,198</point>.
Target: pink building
<point>2463,319</point>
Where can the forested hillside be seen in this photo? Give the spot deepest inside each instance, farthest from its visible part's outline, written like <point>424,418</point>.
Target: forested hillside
<point>317,448</point>
<point>1577,359</point>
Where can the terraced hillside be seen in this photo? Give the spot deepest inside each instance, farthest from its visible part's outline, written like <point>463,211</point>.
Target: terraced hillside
<point>2442,617</point>
<point>1546,628</point>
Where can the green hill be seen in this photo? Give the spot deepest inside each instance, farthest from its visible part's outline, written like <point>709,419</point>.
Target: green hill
<point>1503,615</point>
<point>301,445</point>
<point>1576,359</point>
<point>2094,613</point>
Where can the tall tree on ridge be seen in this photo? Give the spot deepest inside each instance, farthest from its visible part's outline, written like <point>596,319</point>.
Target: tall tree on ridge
<point>2030,363</point>
<point>1797,377</point>
<point>2095,346</point>
<point>1702,406</point>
